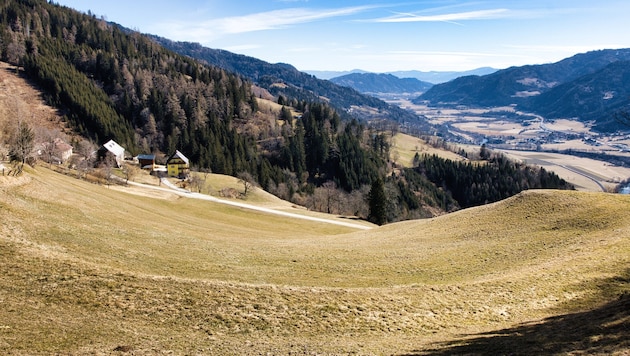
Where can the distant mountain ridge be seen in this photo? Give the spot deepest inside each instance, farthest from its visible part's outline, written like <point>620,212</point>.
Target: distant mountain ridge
<point>437,77</point>
<point>587,86</point>
<point>329,74</point>
<point>433,77</point>
<point>381,83</point>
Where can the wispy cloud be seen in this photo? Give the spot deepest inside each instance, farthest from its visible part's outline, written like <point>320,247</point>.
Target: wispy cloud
<point>280,19</point>
<point>262,21</point>
<point>450,17</point>
<point>564,49</point>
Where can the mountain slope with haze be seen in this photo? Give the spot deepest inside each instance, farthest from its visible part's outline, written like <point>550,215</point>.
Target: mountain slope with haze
<point>381,83</point>
<point>527,87</point>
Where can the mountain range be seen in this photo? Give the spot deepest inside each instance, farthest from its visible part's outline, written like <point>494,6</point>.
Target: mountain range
<point>592,86</point>
<point>433,77</point>
<point>381,83</point>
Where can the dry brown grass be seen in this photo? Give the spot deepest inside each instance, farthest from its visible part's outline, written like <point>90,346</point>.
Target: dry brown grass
<point>405,147</point>
<point>88,269</point>
<point>21,100</point>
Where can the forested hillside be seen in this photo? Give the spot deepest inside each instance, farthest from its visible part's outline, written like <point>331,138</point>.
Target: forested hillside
<point>114,84</point>
<point>284,79</point>
<point>111,83</point>
<point>381,83</point>
<point>595,97</point>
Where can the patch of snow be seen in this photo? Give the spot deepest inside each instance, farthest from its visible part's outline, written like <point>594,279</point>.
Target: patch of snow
<point>525,94</point>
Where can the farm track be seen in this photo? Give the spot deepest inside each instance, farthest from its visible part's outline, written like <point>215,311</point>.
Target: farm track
<point>188,194</point>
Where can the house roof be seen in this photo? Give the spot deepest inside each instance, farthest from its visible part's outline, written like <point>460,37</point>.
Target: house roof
<point>179,155</point>
<point>146,156</point>
<point>61,145</point>
<point>114,148</point>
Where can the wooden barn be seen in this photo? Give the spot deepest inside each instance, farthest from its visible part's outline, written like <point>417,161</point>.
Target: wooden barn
<point>147,161</point>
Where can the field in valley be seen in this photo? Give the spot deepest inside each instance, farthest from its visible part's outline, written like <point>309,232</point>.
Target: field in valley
<point>405,147</point>
<point>586,174</point>
<point>88,269</point>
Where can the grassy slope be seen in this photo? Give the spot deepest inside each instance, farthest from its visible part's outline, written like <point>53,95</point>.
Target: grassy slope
<point>84,269</point>
<point>405,147</point>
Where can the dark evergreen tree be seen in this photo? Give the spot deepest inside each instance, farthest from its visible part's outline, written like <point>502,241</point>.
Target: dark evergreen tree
<point>377,201</point>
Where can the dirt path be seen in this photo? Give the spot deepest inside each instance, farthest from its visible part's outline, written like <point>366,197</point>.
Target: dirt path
<point>187,194</point>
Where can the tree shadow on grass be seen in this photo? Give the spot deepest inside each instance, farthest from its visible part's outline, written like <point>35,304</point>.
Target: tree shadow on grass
<point>604,330</point>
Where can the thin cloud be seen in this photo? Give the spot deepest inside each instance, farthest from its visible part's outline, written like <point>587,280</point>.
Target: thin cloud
<point>564,49</point>
<point>278,19</point>
<point>451,17</point>
<point>262,21</point>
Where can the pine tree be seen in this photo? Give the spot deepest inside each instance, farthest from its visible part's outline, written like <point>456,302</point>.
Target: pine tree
<point>377,200</point>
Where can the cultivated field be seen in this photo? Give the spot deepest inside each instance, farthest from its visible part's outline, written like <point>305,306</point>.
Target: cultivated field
<point>87,269</point>
<point>586,174</point>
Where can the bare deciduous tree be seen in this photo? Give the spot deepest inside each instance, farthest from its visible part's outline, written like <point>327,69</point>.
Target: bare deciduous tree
<point>107,167</point>
<point>49,140</point>
<point>85,156</point>
<point>130,171</point>
<point>195,181</point>
<point>331,196</point>
<point>248,182</point>
<point>22,145</point>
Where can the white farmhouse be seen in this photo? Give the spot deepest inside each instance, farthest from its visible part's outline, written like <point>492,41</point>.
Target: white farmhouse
<point>116,150</point>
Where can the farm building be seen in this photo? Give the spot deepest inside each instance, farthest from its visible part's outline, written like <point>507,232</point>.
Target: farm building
<point>55,151</point>
<point>113,148</point>
<point>178,165</point>
<point>147,161</point>
<point>63,149</point>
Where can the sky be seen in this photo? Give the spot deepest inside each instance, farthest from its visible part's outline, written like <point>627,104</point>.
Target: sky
<point>380,35</point>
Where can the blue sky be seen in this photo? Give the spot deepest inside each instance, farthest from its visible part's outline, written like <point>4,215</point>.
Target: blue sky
<point>382,36</point>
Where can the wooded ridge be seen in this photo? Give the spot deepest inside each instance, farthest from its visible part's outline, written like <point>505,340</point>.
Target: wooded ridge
<point>112,83</point>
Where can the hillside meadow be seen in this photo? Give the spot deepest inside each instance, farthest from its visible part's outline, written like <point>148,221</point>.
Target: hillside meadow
<point>89,269</point>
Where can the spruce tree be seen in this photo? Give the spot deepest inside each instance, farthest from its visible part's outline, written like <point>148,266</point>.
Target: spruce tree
<point>377,201</point>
